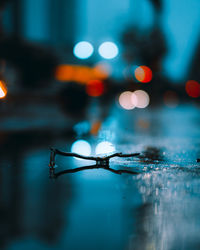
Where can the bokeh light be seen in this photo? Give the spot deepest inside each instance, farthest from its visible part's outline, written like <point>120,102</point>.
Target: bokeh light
<point>105,147</point>
<point>81,74</point>
<point>143,123</point>
<point>143,74</point>
<point>64,72</point>
<point>3,90</point>
<point>108,50</point>
<point>96,126</point>
<point>95,88</point>
<point>140,99</point>
<point>102,70</point>
<point>193,88</point>
<point>125,100</point>
<point>83,50</point>
<point>81,147</point>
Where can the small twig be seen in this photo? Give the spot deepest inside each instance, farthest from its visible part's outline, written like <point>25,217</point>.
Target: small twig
<point>58,152</point>
<point>101,162</point>
<point>121,155</point>
<point>97,158</point>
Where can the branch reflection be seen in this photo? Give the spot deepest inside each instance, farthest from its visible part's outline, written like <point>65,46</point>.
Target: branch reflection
<point>74,170</point>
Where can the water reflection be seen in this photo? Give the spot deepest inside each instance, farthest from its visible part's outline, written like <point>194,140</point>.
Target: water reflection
<point>155,208</point>
<point>70,171</point>
<point>24,210</point>
<point>169,213</point>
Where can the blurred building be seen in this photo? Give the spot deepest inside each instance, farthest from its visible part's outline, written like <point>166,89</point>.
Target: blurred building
<point>63,23</point>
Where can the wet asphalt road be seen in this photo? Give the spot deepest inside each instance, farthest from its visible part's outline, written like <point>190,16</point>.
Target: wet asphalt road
<point>158,208</point>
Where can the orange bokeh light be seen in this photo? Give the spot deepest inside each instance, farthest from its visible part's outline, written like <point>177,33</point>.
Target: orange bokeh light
<point>95,88</point>
<point>193,88</point>
<point>95,127</point>
<point>143,74</point>
<point>101,71</point>
<point>80,74</point>
<point>3,90</point>
<point>64,73</point>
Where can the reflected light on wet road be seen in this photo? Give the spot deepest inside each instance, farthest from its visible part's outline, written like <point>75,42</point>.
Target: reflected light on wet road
<point>81,147</point>
<point>105,147</point>
<point>156,209</point>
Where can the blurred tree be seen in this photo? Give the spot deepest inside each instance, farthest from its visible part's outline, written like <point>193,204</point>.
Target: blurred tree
<point>73,100</point>
<point>35,65</point>
<point>148,48</point>
<point>157,4</point>
<point>195,65</point>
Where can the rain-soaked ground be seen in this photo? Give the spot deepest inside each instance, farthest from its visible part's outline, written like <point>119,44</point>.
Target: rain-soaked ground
<point>155,209</point>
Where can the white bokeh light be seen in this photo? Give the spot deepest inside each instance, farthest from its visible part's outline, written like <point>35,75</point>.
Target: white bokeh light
<point>81,147</point>
<point>104,147</point>
<point>83,50</point>
<point>108,50</point>
<point>125,100</point>
<point>140,99</point>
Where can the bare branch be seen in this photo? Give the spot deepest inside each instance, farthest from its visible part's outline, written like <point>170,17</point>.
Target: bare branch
<point>101,162</point>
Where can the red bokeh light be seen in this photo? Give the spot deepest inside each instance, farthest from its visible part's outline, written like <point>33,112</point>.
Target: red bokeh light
<point>143,74</point>
<point>193,88</point>
<point>95,88</point>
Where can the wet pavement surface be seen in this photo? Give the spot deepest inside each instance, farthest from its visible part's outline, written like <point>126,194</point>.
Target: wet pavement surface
<point>157,208</point>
